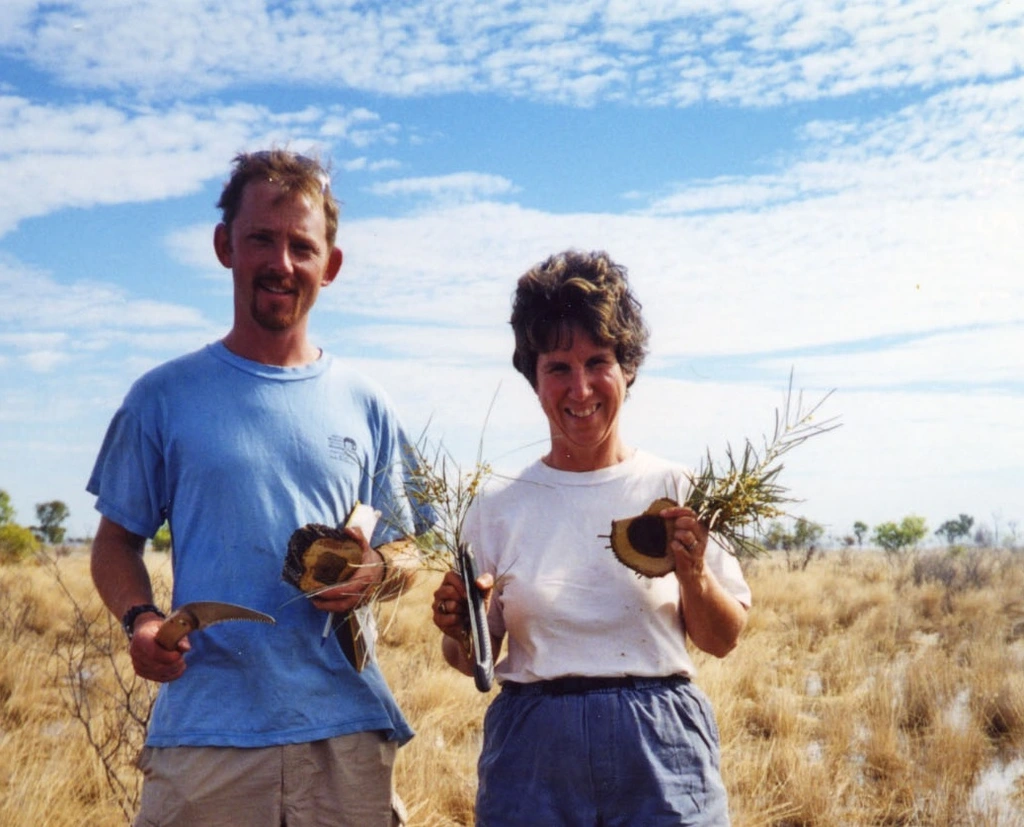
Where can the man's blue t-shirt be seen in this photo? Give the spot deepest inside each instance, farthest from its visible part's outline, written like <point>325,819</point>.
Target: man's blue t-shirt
<point>236,455</point>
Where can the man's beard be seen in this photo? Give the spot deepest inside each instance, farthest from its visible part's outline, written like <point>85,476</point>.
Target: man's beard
<point>281,315</point>
<point>278,320</point>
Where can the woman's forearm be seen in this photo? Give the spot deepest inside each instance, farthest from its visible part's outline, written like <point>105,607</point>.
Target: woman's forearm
<point>713,618</point>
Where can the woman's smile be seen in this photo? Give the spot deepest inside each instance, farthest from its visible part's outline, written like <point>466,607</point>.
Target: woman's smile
<point>581,388</point>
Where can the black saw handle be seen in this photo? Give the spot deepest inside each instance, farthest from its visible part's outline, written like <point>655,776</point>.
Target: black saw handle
<point>480,635</point>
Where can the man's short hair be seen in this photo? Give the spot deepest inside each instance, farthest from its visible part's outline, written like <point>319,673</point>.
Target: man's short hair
<point>293,172</point>
<point>588,291</point>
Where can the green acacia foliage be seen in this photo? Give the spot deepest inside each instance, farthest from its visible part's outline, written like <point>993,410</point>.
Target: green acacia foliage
<point>893,538</point>
<point>162,538</point>
<point>16,543</point>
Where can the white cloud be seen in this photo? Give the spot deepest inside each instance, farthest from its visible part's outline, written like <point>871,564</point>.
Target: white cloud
<point>81,155</point>
<point>793,276</point>
<point>14,19</point>
<point>193,247</point>
<point>364,164</point>
<point>943,362</point>
<point>44,361</point>
<point>359,127</point>
<point>750,53</point>
<point>460,186</point>
<point>85,321</point>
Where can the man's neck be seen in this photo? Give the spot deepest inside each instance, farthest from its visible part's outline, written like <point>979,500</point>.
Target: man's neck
<point>287,349</point>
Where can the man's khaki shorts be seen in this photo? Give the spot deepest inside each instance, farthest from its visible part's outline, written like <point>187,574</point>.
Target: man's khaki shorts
<point>343,782</point>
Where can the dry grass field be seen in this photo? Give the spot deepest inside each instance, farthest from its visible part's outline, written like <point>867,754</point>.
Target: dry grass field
<point>865,691</point>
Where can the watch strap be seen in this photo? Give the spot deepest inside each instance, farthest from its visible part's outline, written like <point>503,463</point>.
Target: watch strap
<point>129,618</point>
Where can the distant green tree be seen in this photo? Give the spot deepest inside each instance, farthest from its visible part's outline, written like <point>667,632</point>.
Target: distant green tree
<point>806,534</point>
<point>805,538</point>
<point>6,509</point>
<point>860,531</point>
<point>777,537</point>
<point>894,538</point>
<point>954,530</point>
<point>50,516</point>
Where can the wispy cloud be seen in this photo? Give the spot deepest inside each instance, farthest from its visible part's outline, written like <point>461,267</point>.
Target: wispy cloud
<point>456,186</point>
<point>750,53</point>
<point>364,164</point>
<point>47,324</point>
<point>81,155</point>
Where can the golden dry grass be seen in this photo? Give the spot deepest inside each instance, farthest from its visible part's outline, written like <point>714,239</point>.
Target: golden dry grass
<point>865,691</point>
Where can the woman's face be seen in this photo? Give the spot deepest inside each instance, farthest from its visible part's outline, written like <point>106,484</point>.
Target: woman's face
<point>581,389</point>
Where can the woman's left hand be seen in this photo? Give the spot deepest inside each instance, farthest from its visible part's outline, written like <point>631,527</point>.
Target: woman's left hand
<point>689,541</point>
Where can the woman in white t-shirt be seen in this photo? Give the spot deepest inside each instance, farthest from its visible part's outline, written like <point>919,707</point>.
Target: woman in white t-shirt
<point>597,722</point>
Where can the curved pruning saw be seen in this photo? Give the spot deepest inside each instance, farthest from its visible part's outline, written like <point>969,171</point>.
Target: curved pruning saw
<point>479,634</point>
<point>199,615</point>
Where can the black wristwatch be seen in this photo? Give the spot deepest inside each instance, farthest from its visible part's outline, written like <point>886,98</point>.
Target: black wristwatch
<point>128,621</point>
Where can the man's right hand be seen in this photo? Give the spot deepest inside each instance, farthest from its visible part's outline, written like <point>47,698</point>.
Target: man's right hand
<point>150,659</point>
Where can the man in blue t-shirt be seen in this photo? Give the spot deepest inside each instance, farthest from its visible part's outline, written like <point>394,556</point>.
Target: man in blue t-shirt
<point>238,445</point>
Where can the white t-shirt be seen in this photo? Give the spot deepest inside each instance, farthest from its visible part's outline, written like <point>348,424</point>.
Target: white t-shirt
<point>564,602</point>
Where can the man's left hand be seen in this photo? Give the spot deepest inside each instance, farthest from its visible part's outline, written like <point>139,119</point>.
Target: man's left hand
<point>360,587</point>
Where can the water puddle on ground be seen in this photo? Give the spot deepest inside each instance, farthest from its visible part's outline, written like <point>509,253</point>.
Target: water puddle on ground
<point>996,792</point>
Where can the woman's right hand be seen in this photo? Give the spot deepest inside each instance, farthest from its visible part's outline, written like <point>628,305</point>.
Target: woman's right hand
<point>451,611</point>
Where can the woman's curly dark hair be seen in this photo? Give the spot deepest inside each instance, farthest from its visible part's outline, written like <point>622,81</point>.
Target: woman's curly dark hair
<point>576,289</point>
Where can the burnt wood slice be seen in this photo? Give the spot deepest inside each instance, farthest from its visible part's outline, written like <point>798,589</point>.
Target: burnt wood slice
<point>642,542</point>
<point>320,556</point>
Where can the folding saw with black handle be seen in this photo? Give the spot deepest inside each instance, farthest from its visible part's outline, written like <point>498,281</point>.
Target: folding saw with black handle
<point>480,635</point>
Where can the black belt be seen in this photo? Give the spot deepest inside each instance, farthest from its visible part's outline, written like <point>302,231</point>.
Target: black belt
<point>577,685</point>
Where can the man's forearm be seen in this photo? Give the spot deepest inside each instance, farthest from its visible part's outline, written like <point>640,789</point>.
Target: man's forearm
<point>117,568</point>
<point>400,567</point>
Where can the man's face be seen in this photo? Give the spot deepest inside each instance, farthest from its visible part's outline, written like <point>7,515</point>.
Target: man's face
<point>278,254</point>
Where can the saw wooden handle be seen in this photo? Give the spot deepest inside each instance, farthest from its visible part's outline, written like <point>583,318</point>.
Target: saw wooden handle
<point>179,624</point>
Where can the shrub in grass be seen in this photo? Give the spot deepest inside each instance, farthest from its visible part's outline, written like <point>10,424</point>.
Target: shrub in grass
<point>17,543</point>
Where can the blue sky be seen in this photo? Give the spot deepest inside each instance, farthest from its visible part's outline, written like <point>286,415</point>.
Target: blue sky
<point>832,188</point>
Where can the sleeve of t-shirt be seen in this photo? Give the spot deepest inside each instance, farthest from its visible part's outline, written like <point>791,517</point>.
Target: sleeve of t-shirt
<point>727,569</point>
<point>128,478</point>
<point>397,495</point>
